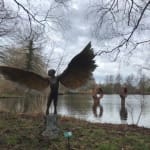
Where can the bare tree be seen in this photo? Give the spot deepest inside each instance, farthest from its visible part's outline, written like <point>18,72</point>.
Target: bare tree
<point>146,64</point>
<point>8,19</point>
<point>123,23</point>
<point>26,52</point>
<point>130,80</point>
<point>47,14</point>
<point>118,81</point>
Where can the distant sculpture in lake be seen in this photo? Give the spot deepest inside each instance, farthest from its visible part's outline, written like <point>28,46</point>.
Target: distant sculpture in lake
<point>97,95</point>
<point>123,92</point>
<point>78,71</point>
<point>123,110</point>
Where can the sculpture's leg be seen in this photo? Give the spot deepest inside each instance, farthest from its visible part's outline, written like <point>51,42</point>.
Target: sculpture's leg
<point>49,101</point>
<point>55,104</point>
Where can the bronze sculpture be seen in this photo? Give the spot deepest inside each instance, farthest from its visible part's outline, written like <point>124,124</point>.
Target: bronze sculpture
<point>78,71</point>
<point>123,111</point>
<point>97,95</point>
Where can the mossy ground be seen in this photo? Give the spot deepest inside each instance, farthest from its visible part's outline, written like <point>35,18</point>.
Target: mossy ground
<point>23,132</point>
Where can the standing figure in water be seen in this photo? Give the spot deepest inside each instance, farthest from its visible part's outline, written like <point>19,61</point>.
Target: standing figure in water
<point>97,95</point>
<point>54,86</point>
<point>123,110</point>
<point>123,92</point>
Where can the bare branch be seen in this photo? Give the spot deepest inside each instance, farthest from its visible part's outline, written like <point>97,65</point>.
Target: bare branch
<point>8,19</point>
<point>139,20</point>
<point>126,38</point>
<point>129,14</point>
<point>30,15</point>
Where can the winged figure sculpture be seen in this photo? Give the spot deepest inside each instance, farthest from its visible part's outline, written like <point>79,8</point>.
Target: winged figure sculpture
<point>76,74</point>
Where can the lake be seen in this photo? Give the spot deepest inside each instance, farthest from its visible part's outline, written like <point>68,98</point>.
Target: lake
<point>135,110</point>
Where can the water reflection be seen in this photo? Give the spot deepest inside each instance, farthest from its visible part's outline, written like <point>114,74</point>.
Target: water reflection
<point>97,110</point>
<point>74,105</point>
<point>123,111</point>
<point>110,110</point>
<point>28,104</point>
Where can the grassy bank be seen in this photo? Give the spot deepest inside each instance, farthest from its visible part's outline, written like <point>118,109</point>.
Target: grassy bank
<point>23,132</point>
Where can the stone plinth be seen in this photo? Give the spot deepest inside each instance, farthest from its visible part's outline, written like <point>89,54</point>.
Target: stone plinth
<point>52,131</point>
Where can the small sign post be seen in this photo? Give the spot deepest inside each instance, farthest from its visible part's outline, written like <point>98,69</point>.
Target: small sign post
<point>68,135</point>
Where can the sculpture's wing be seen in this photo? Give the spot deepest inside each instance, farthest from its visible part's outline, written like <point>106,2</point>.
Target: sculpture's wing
<point>79,69</point>
<point>26,78</point>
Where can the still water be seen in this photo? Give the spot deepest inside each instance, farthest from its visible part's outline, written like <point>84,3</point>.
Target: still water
<point>135,110</point>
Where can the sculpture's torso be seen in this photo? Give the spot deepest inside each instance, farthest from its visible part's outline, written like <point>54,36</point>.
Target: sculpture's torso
<point>54,84</point>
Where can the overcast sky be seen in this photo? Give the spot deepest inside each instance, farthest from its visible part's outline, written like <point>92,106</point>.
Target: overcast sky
<point>78,32</point>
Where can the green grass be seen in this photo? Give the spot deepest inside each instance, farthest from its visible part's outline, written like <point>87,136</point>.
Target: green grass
<point>21,132</point>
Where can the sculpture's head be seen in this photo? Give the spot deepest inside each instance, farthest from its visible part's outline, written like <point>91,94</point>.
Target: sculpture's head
<point>51,72</point>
